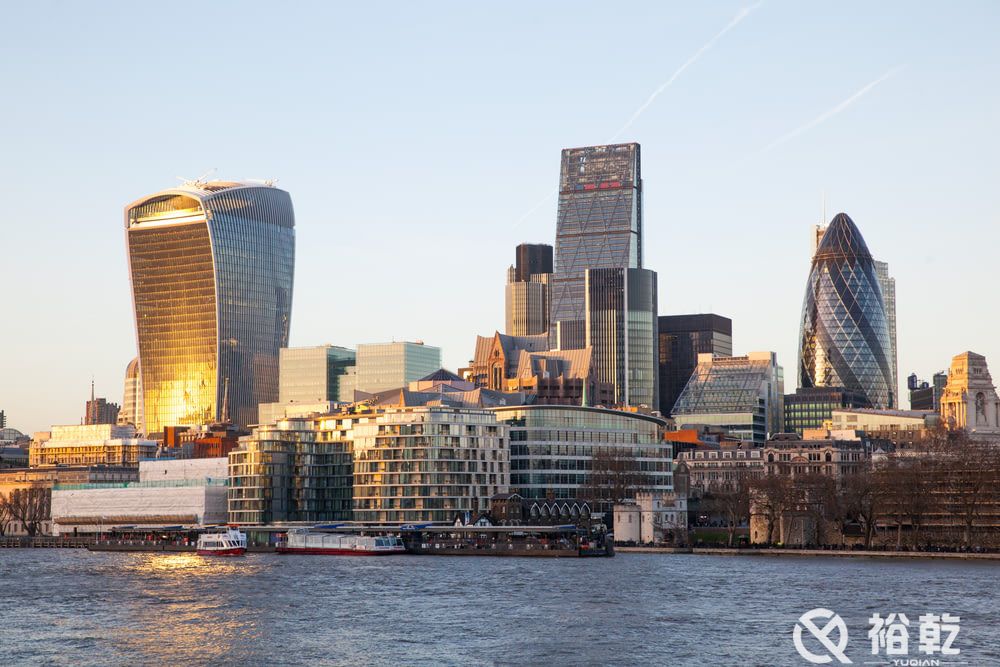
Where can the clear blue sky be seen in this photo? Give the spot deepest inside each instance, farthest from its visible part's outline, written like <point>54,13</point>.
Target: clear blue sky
<point>413,136</point>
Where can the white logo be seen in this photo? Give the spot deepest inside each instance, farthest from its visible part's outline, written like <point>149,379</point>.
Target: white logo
<point>833,622</point>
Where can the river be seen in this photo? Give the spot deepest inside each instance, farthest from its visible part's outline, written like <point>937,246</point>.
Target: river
<point>73,607</point>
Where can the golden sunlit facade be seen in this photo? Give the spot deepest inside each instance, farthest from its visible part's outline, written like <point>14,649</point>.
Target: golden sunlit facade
<point>211,267</point>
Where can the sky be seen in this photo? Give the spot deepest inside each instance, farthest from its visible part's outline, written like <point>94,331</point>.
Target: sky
<point>420,143</point>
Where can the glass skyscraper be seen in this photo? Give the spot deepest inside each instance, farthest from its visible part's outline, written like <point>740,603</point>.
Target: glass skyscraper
<point>599,227</point>
<point>844,334</point>
<point>888,286</point>
<point>621,331</point>
<point>211,266</point>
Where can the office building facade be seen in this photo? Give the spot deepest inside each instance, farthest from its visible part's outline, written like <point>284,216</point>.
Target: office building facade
<point>211,267</point>
<point>844,334</point>
<point>312,374</point>
<point>811,408</point>
<point>621,330</point>
<point>526,295</point>
<point>681,338</point>
<point>744,396</point>
<point>131,396</point>
<point>89,445</point>
<point>553,449</point>
<point>381,366</point>
<point>599,226</point>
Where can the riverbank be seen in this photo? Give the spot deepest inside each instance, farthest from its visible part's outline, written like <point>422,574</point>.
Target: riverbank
<point>717,551</point>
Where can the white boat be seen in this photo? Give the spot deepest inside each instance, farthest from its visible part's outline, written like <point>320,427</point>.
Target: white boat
<point>303,541</point>
<point>230,543</point>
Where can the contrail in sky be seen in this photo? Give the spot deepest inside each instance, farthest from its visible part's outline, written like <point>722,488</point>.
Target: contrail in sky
<point>742,14</point>
<point>832,112</point>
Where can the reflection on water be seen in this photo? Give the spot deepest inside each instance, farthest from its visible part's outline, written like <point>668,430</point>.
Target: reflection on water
<point>76,607</point>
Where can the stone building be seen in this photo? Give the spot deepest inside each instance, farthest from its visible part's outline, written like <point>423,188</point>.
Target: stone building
<point>970,400</point>
<point>652,518</point>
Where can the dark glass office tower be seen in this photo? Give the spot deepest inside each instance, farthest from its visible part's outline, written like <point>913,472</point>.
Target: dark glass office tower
<point>532,259</point>
<point>681,339</point>
<point>844,334</point>
<point>599,227</point>
<point>621,332</point>
<point>211,266</point>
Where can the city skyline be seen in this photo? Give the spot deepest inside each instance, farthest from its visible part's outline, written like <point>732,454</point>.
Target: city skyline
<point>766,158</point>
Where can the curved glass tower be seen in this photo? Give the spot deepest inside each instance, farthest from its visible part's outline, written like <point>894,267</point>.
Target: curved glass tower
<point>211,266</point>
<point>844,338</point>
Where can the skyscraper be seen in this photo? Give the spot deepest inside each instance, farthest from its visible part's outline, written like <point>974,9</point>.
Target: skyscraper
<point>888,286</point>
<point>526,295</point>
<point>621,331</point>
<point>599,227</point>
<point>844,334</point>
<point>211,266</point>
<point>681,339</point>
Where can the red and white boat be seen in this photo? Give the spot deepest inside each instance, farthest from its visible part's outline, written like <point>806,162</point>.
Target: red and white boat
<point>230,543</point>
<point>303,541</point>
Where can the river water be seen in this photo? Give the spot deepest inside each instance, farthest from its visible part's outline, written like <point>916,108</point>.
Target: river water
<point>73,607</point>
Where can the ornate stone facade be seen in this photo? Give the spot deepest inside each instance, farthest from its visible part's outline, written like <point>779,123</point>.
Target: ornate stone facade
<point>970,400</point>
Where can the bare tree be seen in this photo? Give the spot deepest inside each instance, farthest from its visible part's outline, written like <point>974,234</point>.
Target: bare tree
<point>732,501</point>
<point>973,474</point>
<point>815,495</point>
<point>771,496</point>
<point>29,507</point>
<point>910,492</point>
<point>615,476</point>
<point>864,497</point>
<point>5,517</point>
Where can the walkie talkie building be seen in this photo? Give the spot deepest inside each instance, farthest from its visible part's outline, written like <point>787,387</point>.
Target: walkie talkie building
<point>211,266</point>
<point>844,337</point>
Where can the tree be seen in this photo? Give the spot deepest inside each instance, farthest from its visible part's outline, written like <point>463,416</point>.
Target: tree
<point>815,495</point>
<point>615,476</point>
<point>29,507</point>
<point>864,498</point>
<point>910,484</point>
<point>973,474</point>
<point>771,495</point>
<point>5,517</point>
<point>732,501</point>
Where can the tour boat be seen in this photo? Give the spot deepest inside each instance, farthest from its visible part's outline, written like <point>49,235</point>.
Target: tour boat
<point>230,543</point>
<point>302,541</point>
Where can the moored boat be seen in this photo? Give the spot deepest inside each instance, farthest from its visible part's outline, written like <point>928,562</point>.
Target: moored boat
<point>230,543</point>
<point>303,541</point>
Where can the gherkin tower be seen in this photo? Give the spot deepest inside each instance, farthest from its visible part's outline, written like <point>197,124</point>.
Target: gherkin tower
<point>844,335</point>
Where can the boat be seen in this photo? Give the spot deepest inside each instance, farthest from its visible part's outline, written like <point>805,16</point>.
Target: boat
<point>230,543</point>
<point>304,541</point>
